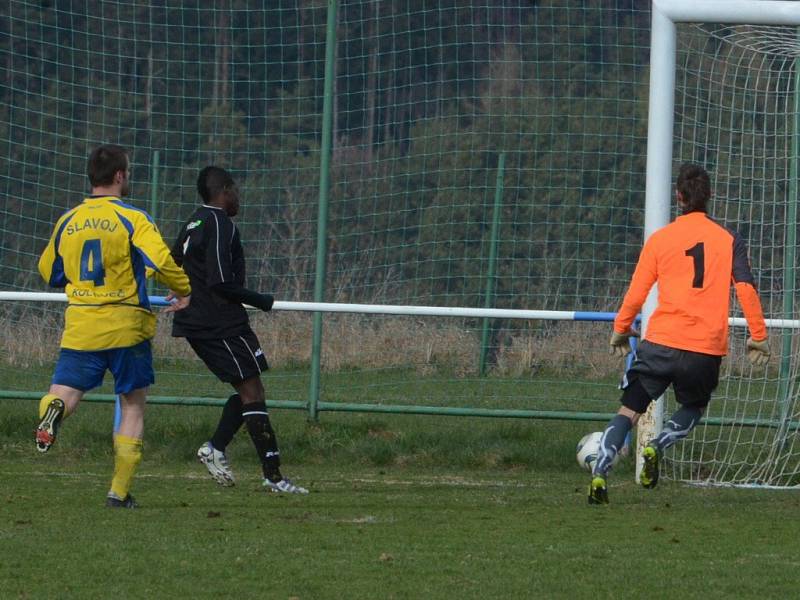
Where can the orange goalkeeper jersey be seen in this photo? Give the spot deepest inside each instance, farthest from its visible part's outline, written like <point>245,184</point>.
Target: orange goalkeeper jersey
<point>694,261</point>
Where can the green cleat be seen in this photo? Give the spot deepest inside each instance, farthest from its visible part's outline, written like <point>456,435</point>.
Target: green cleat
<point>598,491</point>
<point>649,475</point>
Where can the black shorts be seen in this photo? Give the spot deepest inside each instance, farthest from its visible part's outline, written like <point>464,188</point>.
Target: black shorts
<point>693,375</point>
<point>232,359</point>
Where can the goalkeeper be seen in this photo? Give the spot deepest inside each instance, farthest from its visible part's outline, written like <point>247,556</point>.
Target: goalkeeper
<point>217,327</point>
<point>695,261</point>
<point>101,251</point>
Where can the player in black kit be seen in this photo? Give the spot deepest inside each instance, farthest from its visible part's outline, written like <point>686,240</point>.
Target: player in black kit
<point>217,327</point>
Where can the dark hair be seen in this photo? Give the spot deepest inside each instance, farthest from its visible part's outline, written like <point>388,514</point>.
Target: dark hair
<point>211,181</point>
<point>105,162</point>
<point>695,187</point>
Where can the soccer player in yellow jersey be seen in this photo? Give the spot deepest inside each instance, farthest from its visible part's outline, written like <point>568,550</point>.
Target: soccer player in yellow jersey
<point>695,261</point>
<point>101,252</point>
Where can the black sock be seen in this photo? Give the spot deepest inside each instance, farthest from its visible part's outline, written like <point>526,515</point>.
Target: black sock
<point>260,429</point>
<point>611,443</point>
<point>229,423</point>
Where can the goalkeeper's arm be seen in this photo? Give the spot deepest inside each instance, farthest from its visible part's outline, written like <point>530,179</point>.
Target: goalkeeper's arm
<point>757,345</point>
<point>233,292</point>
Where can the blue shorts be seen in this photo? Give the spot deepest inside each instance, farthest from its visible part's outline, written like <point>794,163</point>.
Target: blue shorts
<point>131,367</point>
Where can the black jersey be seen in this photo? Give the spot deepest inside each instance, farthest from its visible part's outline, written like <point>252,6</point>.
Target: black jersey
<point>210,251</point>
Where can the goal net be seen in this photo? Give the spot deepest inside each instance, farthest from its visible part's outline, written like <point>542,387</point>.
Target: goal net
<point>736,111</point>
<point>448,118</point>
<point>484,153</point>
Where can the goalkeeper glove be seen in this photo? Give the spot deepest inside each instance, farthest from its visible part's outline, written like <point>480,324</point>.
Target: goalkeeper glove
<point>620,344</point>
<point>758,352</point>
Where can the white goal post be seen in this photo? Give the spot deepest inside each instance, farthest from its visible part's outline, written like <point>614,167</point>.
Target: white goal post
<point>665,15</point>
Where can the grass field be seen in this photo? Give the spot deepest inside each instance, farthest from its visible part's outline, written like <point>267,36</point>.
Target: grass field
<point>400,507</point>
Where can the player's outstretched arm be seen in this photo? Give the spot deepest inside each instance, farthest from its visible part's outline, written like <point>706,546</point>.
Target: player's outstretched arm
<point>234,292</point>
<point>151,246</point>
<point>744,283</point>
<point>757,344</point>
<point>644,277</point>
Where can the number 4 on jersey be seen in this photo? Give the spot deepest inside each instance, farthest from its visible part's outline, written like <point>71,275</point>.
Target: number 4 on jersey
<point>92,262</point>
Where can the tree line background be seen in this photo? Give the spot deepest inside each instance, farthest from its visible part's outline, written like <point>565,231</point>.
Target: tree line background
<point>427,96</point>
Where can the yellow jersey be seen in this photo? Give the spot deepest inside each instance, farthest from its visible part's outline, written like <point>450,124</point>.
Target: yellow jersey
<point>102,251</point>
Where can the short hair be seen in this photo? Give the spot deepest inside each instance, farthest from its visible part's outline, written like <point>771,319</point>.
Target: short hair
<point>694,185</point>
<point>211,181</point>
<point>104,162</point>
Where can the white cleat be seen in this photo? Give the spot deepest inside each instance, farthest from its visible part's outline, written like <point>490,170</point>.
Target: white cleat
<point>284,486</point>
<point>217,464</point>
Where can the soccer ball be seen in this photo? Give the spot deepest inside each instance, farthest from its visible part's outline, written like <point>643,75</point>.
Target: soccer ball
<point>588,449</point>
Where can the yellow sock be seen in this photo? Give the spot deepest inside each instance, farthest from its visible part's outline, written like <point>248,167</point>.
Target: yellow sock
<point>45,402</point>
<point>127,456</point>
